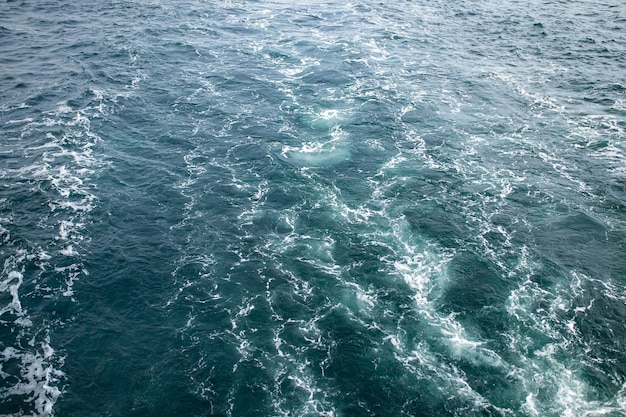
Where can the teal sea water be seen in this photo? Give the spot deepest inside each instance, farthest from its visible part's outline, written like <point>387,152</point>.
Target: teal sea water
<point>274,208</point>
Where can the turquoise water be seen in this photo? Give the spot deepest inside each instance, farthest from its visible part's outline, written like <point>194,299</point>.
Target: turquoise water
<point>307,208</point>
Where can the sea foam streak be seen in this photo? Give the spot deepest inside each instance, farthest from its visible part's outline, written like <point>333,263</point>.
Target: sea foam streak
<point>58,169</point>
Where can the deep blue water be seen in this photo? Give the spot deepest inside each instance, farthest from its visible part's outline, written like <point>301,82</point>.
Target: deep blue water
<point>251,208</point>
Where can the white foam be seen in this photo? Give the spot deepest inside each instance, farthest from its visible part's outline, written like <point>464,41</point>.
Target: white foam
<point>68,251</point>
<point>328,119</point>
<point>38,377</point>
<point>11,285</point>
<point>544,372</point>
<point>395,342</point>
<point>63,108</point>
<point>18,121</point>
<point>294,366</point>
<point>317,154</point>
<point>43,256</point>
<point>63,167</point>
<point>297,71</point>
<point>530,406</point>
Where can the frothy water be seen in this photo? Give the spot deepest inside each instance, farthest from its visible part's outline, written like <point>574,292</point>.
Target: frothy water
<point>303,209</point>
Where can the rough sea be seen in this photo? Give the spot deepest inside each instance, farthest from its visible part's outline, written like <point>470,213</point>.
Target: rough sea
<point>303,208</point>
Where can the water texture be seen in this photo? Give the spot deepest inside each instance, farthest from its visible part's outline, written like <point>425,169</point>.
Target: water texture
<point>272,208</point>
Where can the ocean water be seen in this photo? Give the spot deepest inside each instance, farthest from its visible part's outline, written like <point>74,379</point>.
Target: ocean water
<point>274,208</point>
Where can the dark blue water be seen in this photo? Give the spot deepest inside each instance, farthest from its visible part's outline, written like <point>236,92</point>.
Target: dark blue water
<point>279,208</point>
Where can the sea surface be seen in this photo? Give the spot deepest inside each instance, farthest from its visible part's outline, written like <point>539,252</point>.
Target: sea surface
<point>313,208</point>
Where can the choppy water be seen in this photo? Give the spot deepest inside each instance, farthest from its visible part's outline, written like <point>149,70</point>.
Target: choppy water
<point>254,208</point>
